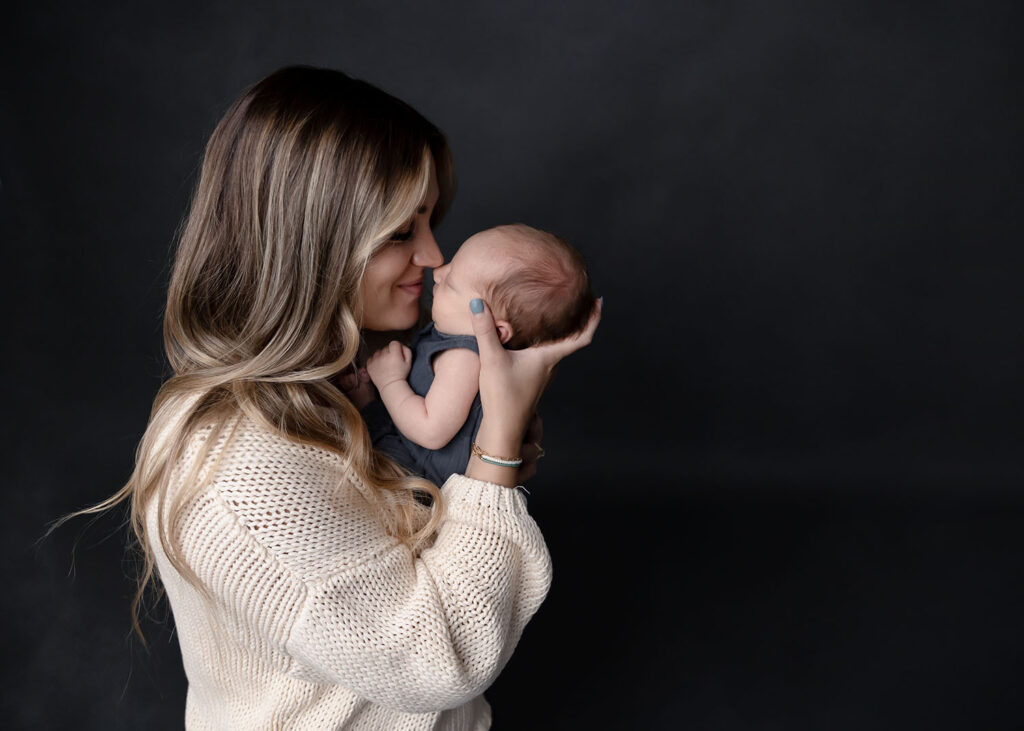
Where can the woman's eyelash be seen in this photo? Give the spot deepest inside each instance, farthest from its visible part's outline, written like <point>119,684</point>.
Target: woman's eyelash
<point>403,235</point>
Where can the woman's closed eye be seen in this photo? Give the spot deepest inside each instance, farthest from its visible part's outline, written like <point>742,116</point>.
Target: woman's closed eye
<point>403,235</point>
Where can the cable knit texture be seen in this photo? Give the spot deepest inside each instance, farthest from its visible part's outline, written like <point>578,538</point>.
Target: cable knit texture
<point>317,619</point>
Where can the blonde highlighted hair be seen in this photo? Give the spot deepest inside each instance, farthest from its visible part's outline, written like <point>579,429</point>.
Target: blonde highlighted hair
<point>305,177</point>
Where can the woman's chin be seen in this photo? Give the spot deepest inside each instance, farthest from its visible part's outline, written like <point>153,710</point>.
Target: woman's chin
<point>395,322</point>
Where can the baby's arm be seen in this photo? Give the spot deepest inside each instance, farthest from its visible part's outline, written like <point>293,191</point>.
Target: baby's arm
<point>432,420</point>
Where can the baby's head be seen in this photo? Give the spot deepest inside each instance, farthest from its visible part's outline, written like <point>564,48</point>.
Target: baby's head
<point>535,283</point>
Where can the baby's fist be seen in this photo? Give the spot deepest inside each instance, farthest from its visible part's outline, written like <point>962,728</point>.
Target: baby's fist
<point>389,364</point>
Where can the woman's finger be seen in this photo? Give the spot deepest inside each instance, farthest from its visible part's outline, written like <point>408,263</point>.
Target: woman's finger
<point>483,327</point>
<point>554,352</point>
<point>529,466</point>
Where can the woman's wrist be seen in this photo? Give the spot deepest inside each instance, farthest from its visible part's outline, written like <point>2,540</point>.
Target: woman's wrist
<point>499,442</point>
<point>504,476</point>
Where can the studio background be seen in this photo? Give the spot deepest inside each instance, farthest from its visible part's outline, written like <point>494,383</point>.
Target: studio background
<point>783,484</point>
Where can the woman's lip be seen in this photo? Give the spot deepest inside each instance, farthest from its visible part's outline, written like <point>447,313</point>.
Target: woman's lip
<point>412,287</point>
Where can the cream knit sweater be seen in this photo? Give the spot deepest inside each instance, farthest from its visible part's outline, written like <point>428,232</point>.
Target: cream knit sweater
<point>318,619</point>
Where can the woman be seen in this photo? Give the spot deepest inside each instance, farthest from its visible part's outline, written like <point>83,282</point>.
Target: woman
<point>309,586</point>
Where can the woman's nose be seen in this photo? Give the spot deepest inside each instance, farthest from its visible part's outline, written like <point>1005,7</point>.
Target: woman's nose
<point>427,253</point>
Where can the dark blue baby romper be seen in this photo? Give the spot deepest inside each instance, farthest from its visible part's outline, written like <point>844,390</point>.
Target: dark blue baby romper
<point>434,464</point>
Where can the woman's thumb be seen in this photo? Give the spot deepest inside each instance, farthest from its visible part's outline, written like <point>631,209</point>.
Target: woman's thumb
<point>483,327</point>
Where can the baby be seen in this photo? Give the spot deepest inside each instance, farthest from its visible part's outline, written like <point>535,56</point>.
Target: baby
<point>538,289</point>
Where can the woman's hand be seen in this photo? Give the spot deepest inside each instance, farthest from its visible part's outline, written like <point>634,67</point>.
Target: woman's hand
<point>511,384</point>
<point>356,385</point>
<point>531,451</point>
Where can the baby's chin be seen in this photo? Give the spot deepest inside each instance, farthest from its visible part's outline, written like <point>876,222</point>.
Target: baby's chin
<point>446,325</point>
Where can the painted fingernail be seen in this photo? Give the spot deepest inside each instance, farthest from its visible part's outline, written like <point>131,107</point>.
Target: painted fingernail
<point>476,305</point>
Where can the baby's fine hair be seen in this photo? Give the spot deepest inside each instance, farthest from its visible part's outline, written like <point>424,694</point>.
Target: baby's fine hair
<point>546,296</point>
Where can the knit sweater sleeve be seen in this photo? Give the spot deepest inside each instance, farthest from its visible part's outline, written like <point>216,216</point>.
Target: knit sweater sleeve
<point>425,633</point>
<point>344,603</point>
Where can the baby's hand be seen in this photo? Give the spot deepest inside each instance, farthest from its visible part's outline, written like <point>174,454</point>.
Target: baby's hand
<point>390,364</point>
<point>357,387</point>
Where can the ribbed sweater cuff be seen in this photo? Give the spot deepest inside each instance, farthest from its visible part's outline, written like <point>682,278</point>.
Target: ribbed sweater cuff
<point>462,490</point>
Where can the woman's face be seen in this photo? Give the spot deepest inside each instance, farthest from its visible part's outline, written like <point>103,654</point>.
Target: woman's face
<point>393,280</point>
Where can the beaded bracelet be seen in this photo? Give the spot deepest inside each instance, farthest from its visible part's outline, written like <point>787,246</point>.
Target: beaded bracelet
<point>499,461</point>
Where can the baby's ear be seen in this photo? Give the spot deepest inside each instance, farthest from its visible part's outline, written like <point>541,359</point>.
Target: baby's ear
<point>505,331</point>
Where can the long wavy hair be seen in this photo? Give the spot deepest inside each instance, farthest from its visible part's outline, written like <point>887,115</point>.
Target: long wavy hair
<point>307,175</point>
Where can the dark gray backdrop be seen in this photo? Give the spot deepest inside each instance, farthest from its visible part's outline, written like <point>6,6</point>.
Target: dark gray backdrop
<point>783,484</point>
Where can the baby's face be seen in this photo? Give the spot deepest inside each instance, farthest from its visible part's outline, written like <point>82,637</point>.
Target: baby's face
<point>480,261</point>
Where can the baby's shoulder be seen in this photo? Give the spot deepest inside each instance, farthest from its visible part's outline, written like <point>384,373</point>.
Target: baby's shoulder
<point>461,359</point>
